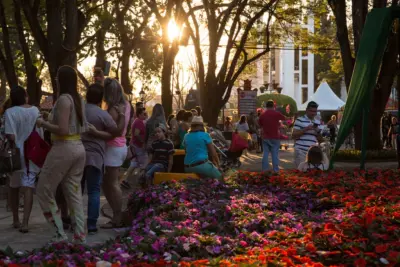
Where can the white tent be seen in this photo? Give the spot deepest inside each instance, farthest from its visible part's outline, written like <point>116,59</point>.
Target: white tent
<point>325,98</point>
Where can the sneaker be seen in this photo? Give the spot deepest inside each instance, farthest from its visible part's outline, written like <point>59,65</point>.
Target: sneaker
<point>58,238</point>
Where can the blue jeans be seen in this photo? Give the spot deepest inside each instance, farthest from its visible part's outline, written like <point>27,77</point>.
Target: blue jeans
<point>205,170</point>
<point>93,177</point>
<point>151,169</point>
<point>271,146</point>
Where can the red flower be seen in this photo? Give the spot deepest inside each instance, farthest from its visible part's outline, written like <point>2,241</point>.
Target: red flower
<point>360,262</point>
<point>381,248</point>
<point>311,248</point>
<point>393,255</point>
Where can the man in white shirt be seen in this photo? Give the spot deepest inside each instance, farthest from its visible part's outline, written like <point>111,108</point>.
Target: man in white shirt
<point>306,132</point>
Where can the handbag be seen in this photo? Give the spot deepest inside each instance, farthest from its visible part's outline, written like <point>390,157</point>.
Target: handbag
<point>36,150</point>
<point>10,158</point>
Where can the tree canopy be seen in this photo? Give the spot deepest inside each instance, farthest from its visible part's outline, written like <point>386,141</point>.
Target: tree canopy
<point>226,39</point>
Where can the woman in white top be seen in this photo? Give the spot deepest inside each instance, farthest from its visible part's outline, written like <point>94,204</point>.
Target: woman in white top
<point>20,120</point>
<point>315,160</point>
<point>242,125</point>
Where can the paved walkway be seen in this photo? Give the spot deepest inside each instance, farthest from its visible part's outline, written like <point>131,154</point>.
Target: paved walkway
<point>40,232</point>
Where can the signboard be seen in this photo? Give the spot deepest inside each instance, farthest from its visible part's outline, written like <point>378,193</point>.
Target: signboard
<point>247,101</point>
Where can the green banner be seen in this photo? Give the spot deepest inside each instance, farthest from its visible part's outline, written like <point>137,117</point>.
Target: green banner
<point>373,43</point>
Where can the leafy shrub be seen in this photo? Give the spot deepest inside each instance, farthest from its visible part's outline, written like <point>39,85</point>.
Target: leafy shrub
<point>355,155</point>
<point>280,100</point>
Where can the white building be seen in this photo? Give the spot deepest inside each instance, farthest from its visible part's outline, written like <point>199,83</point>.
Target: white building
<point>291,68</point>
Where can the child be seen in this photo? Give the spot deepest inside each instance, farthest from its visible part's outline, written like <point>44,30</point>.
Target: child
<point>161,155</point>
<point>315,160</point>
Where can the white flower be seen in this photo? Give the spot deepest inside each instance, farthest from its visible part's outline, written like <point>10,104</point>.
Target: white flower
<point>125,255</point>
<point>167,256</point>
<point>384,261</point>
<point>186,246</point>
<point>19,253</point>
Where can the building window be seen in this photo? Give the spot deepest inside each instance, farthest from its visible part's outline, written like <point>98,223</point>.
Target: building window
<point>296,58</point>
<point>304,72</point>
<point>304,94</point>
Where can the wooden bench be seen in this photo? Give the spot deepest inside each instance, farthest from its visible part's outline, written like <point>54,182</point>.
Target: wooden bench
<point>160,177</point>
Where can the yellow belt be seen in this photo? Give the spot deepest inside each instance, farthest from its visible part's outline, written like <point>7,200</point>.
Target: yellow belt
<point>74,137</point>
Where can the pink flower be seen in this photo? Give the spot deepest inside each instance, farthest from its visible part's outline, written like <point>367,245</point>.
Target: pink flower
<point>243,243</point>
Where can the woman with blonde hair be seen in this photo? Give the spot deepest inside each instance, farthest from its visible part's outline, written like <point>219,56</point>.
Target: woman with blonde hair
<point>66,160</point>
<point>116,150</point>
<point>157,117</point>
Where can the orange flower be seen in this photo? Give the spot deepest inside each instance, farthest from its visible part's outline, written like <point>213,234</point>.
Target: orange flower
<point>311,248</point>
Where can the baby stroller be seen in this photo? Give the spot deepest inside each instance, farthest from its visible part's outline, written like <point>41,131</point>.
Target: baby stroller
<point>230,156</point>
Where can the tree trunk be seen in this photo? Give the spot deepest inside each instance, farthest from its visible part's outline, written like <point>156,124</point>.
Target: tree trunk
<point>33,86</point>
<point>211,112</point>
<point>339,9</point>
<point>3,84</point>
<point>169,53</point>
<point>125,59</point>
<point>7,59</point>
<point>100,51</point>
<point>166,95</point>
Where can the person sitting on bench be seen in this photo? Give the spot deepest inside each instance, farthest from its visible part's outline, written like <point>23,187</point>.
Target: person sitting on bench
<point>161,155</point>
<point>199,146</point>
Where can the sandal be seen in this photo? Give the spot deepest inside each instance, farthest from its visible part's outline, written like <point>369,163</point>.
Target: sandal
<point>125,185</point>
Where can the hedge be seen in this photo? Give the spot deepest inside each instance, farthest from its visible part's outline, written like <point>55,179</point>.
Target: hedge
<point>281,100</point>
<point>374,155</point>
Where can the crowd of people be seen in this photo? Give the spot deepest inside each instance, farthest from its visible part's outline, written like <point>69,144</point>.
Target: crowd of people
<point>90,141</point>
<point>389,131</point>
<point>92,138</point>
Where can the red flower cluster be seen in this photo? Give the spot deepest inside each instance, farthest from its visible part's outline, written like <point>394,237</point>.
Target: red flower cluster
<point>257,219</point>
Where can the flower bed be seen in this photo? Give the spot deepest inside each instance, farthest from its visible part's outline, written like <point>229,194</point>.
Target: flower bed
<point>313,219</point>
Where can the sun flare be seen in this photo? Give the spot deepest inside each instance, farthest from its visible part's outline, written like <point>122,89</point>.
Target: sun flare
<point>173,30</point>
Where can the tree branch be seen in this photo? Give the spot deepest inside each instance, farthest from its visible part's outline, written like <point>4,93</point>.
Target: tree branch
<point>88,40</point>
<point>227,16</point>
<point>153,6</point>
<point>244,37</point>
<point>83,79</point>
<point>338,8</point>
<point>233,33</point>
<point>239,71</point>
<point>195,35</point>
<point>34,25</point>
